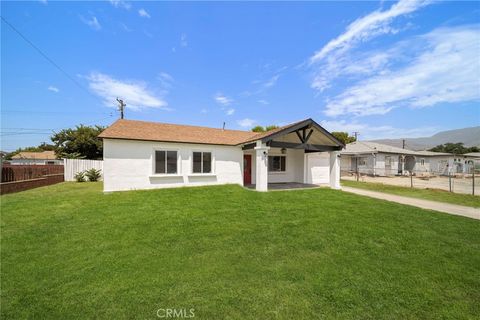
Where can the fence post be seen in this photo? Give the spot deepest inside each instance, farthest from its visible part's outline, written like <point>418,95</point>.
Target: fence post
<point>411,180</point>
<point>449,181</point>
<point>356,166</point>
<point>473,180</point>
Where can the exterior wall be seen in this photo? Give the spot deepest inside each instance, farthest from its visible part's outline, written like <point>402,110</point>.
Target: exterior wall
<point>422,168</point>
<point>34,161</point>
<point>441,164</point>
<point>128,165</point>
<point>294,169</point>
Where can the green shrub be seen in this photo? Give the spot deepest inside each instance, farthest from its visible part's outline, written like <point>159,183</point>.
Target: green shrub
<point>93,174</point>
<point>80,176</point>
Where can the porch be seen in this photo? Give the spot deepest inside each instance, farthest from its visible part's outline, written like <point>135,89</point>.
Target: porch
<point>286,186</point>
<point>301,155</point>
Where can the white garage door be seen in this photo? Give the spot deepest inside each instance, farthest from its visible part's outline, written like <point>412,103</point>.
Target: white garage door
<point>318,167</point>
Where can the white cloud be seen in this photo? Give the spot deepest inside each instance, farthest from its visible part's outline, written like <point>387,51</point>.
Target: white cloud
<point>272,81</point>
<point>54,89</point>
<point>222,99</point>
<point>336,58</point>
<point>136,94</point>
<point>371,25</point>
<point>441,67</point>
<point>120,4</point>
<point>370,132</point>
<point>166,76</point>
<point>143,13</point>
<point>262,101</point>
<point>246,122</point>
<point>166,79</point>
<point>203,110</point>
<point>148,34</point>
<point>183,40</point>
<point>92,22</point>
<point>43,1</point>
<point>230,112</point>
<point>125,27</point>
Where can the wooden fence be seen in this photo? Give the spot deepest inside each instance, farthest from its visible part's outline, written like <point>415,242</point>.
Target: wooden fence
<point>12,173</point>
<point>17,178</point>
<point>73,166</point>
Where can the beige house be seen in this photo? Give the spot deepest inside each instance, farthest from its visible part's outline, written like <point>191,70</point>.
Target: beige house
<point>26,158</point>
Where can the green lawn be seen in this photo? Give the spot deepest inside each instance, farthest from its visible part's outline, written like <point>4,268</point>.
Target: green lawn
<point>69,251</point>
<point>427,194</point>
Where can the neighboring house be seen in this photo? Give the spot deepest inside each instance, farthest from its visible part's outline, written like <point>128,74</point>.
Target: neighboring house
<point>383,160</point>
<point>26,158</point>
<point>469,161</point>
<point>147,155</point>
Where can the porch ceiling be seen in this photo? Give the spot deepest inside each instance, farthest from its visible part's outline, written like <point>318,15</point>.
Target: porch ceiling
<point>307,135</point>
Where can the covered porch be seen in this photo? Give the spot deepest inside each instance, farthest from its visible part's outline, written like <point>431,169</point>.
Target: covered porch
<point>286,186</point>
<point>300,155</point>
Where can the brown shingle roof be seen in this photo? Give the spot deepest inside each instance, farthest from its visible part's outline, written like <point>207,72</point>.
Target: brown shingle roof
<point>153,131</point>
<point>45,155</point>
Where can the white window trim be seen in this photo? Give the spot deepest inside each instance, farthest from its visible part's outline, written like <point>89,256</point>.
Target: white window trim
<point>196,174</point>
<point>286,163</point>
<point>179,163</point>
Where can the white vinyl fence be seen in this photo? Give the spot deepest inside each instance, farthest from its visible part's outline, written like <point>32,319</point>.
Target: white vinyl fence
<point>73,166</point>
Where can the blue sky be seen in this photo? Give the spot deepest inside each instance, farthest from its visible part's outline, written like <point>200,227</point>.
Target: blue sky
<point>385,69</point>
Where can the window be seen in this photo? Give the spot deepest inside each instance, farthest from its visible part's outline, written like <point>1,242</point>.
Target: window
<point>422,162</point>
<point>49,162</point>
<point>202,162</point>
<point>276,163</point>
<point>388,160</point>
<point>362,161</point>
<point>165,162</point>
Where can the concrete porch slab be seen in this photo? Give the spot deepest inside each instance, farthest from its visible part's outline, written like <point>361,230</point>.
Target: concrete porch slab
<point>286,186</point>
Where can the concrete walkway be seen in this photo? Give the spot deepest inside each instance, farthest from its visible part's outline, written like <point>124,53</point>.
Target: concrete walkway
<point>469,212</point>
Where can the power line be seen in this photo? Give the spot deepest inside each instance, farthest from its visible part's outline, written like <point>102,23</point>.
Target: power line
<point>49,59</point>
<point>53,112</point>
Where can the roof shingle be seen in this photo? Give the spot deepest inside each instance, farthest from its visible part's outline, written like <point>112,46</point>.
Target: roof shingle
<point>165,132</point>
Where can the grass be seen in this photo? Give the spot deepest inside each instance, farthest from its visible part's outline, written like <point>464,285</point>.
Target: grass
<point>427,194</point>
<point>69,251</point>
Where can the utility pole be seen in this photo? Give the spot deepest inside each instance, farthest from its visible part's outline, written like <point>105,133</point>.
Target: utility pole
<point>403,143</point>
<point>121,107</point>
<point>356,134</point>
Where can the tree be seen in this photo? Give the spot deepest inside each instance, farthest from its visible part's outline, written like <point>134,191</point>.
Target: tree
<point>258,129</point>
<point>343,137</point>
<point>264,129</point>
<point>271,127</point>
<point>80,142</point>
<point>456,148</point>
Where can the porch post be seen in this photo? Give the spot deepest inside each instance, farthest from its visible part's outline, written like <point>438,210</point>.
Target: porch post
<point>335,170</point>
<point>261,150</point>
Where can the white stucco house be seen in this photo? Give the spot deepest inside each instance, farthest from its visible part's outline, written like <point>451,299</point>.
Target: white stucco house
<point>147,155</point>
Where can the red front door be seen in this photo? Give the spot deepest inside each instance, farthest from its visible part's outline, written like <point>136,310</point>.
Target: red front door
<point>247,169</point>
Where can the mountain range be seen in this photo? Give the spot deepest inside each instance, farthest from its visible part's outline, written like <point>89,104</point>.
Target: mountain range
<point>469,136</point>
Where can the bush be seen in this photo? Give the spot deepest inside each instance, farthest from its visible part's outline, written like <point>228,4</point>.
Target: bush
<point>93,174</point>
<point>80,177</point>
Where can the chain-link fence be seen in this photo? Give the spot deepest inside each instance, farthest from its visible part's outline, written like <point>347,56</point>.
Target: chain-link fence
<point>459,182</point>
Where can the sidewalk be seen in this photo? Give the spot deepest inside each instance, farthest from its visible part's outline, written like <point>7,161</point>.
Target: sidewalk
<point>469,212</point>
